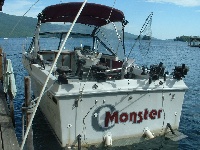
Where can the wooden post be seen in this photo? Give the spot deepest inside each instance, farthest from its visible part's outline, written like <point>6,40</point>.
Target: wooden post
<point>12,114</point>
<point>4,70</point>
<point>27,85</point>
<point>4,62</point>
<point>1,64</point>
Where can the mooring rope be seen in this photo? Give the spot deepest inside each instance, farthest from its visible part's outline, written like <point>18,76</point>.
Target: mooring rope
<point>164,117</point>
<point>54,63</point>
<point>81,91</point>
<point>119,38</point>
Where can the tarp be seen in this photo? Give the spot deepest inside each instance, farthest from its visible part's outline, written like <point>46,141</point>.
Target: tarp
<point>9,79</point>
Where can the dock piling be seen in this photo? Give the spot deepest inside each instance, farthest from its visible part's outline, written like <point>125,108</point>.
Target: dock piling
<point>12,114</point>
<point>27,87</point>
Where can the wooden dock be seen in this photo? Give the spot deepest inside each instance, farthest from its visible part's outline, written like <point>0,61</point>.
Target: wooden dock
<point>7,132</point>
<point>8,139</point>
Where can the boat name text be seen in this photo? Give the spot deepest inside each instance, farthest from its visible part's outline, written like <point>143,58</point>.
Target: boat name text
<point>107,116</point>
<point>134,117</point>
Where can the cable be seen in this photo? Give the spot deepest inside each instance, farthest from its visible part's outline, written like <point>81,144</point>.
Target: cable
<point>45,84</point>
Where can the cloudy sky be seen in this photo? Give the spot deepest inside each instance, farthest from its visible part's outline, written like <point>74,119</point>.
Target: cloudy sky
<point>171,18</point>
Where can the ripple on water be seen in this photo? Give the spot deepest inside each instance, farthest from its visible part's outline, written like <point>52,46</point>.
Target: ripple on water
<point>169,52</point>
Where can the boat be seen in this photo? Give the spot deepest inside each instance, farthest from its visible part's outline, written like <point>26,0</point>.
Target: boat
<point>194,41</point>
<point>95,95</point>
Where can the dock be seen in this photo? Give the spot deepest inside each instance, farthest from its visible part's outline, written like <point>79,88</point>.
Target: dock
<point>7,131</point>
<point>194,41</point>
<point>8,139</point>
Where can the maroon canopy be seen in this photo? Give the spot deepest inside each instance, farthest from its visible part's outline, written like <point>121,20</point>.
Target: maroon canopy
<point>92,14</point>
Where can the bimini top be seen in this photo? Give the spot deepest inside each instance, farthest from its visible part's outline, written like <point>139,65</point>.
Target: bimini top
<point>92,14</point>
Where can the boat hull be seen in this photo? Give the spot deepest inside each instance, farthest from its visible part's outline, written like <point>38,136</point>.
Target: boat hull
<point>124,117</point>
<point>118,108</point>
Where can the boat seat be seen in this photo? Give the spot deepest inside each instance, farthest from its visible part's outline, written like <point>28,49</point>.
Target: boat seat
<point>91,59</point>
<point>99,68</point>
<point>63,69</point>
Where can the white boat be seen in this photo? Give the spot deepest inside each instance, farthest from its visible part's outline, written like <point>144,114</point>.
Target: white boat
<point>95,95</point>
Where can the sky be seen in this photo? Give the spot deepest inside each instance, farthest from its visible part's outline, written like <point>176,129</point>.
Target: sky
<point>171,18</point>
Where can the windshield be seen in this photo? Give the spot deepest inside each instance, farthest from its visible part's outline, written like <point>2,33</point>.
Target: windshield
<point>107,39</point>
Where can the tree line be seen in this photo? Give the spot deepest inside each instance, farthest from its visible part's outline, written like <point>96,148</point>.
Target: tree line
<point>182,38</point>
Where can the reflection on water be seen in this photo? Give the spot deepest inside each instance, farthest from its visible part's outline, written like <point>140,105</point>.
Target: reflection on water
<point>44,139</point>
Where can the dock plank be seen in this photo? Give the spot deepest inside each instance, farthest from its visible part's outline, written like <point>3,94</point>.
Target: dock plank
<point>8,139</point>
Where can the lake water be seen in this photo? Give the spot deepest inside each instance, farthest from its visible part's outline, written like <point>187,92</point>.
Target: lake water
<point>169,52</point>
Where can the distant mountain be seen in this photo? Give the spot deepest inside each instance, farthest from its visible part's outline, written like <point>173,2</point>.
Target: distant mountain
<point>130,36</point>
<point>26,27</point>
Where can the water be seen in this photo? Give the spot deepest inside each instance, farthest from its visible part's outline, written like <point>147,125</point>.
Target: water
<point>169,52</point>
